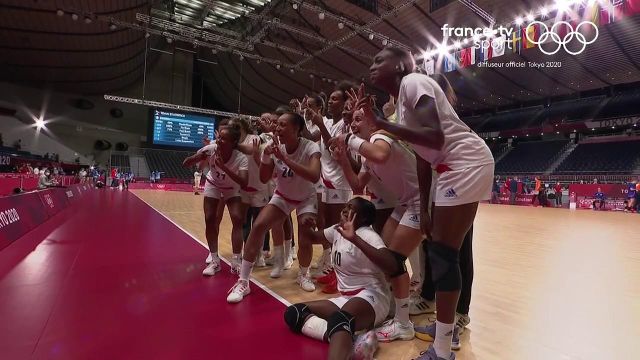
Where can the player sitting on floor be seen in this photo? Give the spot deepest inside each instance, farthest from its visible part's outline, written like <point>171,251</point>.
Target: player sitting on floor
<point>365,297</point>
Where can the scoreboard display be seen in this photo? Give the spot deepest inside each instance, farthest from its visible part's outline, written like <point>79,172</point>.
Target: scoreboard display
<point>180,129</point>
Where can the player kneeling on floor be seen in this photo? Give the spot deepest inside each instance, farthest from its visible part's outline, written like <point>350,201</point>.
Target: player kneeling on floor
<point>365,297</point>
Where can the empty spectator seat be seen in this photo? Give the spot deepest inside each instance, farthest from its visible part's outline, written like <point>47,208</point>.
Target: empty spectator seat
<point>530,157</point>
<point>605,157</point>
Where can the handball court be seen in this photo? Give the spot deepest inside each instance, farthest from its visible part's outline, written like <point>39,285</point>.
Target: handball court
<point>118,275</point>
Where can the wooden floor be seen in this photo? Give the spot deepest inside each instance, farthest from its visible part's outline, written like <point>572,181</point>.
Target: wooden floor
<point>549,283</point>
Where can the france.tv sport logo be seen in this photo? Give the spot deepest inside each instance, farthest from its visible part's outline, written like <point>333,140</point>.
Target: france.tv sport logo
<point>553,36</point>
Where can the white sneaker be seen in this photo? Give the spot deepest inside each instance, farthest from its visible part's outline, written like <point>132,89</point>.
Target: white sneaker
<point>393,330</point>
<point>278,267</point>
<point>321,260</point>
<point>462,320</point>
<point>419,306</point>
<point>211,269</point>
<point>238,291</point>
<point>305,283</point>
<point>260,262</point>
<point>288,263</point>
<point>235,265</point>
<point>209,259</point>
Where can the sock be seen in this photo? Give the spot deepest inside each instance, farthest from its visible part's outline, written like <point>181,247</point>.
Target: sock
<point>278,251</point>
<point>237,258</point>
<point>402,310</point>
<point>442,343</point>
<point>245,270</point>
<point>287,248</point>
<point>304,270</point>
<point>214,256</point>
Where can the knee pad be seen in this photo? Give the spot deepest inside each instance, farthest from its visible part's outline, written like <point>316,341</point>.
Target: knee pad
<point>445,268</point>
<point>295,316</point>
<point>340,321</point>
<point>401,266</point>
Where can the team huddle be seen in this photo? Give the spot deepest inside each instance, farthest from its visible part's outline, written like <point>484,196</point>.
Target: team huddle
<point>313,161</point>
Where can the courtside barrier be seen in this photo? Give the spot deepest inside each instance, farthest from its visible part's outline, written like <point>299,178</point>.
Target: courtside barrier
<point>161,186</point>
<point>22,213</point>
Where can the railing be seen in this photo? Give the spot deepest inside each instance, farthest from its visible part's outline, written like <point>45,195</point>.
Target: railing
<point>602,177</point>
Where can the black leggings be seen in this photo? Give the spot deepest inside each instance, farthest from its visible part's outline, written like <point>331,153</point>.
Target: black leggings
<point>252,215</point>
<point>466,268</point>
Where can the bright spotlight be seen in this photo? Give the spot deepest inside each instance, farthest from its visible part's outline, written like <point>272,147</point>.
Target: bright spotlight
<point>530,17</point>
<point>457,44</point>
<point>518,21</point>
<point>544,11</point>
<point>563,5</point>
<point>443,49</point>
<point>39,123</point>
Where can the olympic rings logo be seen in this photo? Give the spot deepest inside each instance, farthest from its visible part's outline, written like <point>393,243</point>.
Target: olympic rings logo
<point>562,42</point>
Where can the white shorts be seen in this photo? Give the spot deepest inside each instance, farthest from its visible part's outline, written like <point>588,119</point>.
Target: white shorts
<point>213,192</point>
<point>464,186</point>
<point>319,187</point>
<point>308,206</point>
<point>335,196</point>
<point>379,300</point>
<point>408,214</point>
<point>255,199</point>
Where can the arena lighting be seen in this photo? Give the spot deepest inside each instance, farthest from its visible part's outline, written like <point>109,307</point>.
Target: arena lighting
<point>544,11</point>
<point>530,17</point>
<point>169,40</point>
<point>39,123</point>
<point>466,41</point>
<point>278,66</point>
<point>295,6</point>
<point>385,42</point>
<point>370,36</point>
<point>292,71</point>
<point>457,44</point>
<point>146,35</point>
<point>113,26</point>
<point>563,5</point>
<point>60,12</point>
<point>340,26</point>
<point>321,16</point>
<point>443,49</point>
<point>87,20</point>
<point>74,17</point>
<point>519,20</point>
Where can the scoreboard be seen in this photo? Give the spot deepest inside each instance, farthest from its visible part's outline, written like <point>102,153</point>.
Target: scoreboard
<point>174,128</point>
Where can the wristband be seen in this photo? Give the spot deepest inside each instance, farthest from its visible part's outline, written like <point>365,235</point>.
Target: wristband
<point>355,143</point>
<point>266,159</point>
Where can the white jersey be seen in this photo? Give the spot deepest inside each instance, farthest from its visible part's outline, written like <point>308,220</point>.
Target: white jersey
<point>217,177</point>
<point>353,268</point>
<point>462,147</point>
<point>311,126</point>
<point>380,195</point>
<point>254,183</point>
<point>288,184</point>
<point>398,173</point>
<point>332,174</point>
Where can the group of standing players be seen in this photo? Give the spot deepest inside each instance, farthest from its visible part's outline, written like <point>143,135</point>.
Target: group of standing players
<point>313,164</point>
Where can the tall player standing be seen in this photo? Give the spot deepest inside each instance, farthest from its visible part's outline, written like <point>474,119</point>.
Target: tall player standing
<point>296,162</point>
<point>427,120</point>
<point>228,173</point>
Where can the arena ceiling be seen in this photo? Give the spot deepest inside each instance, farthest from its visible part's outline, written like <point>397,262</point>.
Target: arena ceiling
<point>41,45</point>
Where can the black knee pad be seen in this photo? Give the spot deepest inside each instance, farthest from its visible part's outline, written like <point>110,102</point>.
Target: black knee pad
<point>401,264</point>
<point>295,316</point>
<point>340,321</point>
<point>445,267</point>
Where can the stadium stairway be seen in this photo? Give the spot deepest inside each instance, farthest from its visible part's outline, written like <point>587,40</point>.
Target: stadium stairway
<point>566,151</point>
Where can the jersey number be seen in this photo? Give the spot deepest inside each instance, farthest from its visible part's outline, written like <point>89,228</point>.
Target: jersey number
<point>337,258</point>
<point>220,175</point>
<point>286,172</point>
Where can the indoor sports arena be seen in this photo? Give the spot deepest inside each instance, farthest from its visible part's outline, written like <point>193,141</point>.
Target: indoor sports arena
<point>319,179</point>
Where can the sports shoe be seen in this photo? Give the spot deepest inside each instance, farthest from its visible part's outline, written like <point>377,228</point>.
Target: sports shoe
<point>365,346</point>
<point>288,263</point>
<point>211,269</point>
<point>430,354</point>
<point>294,253</point>
<point>327,279</point>
<point>419,306</point>
<point>428,333</point>
<point>209,259</point>
<point>326,269</point>
<point>278,267</point>
<point>325,257</point>
<point>305,283</point>
<point>462,321</point>
<point>393,330</point>
<point>269,259</point>
<point>260,261</point>
<point>331,288</point>
<point>238,291</point>
<point>236,262</point>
